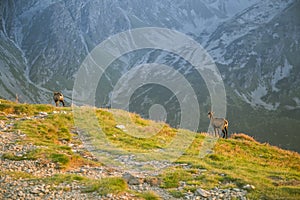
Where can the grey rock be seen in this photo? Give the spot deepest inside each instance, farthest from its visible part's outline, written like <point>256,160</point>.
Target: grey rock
<point>202,192</point>
<point>248,187</point>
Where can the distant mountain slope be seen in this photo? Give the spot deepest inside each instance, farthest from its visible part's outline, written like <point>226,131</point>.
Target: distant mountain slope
<point>13,82</point>
<point>56,36</point>
<point>259,60</point>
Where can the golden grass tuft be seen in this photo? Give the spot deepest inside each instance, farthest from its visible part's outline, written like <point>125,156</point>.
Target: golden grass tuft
<point>242,136</point>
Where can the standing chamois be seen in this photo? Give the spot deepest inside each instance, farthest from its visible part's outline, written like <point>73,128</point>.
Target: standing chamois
<point>58,97</point>
<point>218,123</point>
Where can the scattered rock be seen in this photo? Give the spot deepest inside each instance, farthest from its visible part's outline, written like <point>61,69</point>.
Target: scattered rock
<point>43,113</point>
<point>121,127</point>
<point>133,180</point>
<point>153,181</point>
<point>2,124</point>
<point>202,192</point>
<point>249,187</point>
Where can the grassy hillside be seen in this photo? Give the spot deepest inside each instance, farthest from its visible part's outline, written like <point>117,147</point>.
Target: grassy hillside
<point>271,173</point>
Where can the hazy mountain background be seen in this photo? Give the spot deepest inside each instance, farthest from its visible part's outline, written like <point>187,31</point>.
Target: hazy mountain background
<point>255,45</point>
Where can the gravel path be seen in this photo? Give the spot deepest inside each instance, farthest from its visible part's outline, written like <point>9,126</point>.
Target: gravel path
<point>33,188</point>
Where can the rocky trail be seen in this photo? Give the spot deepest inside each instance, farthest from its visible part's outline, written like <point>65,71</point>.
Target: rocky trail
<point>35,188</point>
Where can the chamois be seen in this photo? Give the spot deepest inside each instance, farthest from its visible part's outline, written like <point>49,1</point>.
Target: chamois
<point>58,97</point>
<point>218,123</point>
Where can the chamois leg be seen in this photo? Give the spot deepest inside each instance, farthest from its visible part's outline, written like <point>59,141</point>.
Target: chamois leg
<point>63,103</point>
<point>216,132</point>
<point>225,131</point>
<point>56,103</point>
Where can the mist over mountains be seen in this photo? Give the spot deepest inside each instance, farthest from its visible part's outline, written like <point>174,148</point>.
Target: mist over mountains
<point>254,44</point>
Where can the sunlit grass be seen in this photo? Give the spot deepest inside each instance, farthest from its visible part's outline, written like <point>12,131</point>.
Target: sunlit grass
<point>8,107</point>
<point>31,155</point>
<point>102,186</point>
<point>232,162</point>
<point>149,195</point>
<point>102,126</point>
<point>51,134</point>
<point>237,162</point>
<point>17,175</point>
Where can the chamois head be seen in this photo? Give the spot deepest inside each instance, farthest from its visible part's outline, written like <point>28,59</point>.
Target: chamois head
<point>210,114</point>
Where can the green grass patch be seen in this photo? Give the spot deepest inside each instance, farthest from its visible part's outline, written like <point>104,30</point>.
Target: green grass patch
<point>135,137</point>
<point>65,178</point>
<point>172,178</point>
<point>17,175</point>
<point>177,193</point>
<point>47,132</point>
<point>149,196</point>
<point>29,109</point>
<point>104,186</point>
<point>51,134</point>
<point>242,160</point>
<point>62,159</point>
<point>31,155</point>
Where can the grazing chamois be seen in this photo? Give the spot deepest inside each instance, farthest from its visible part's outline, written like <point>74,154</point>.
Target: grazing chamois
<point>218,123</point>
<point>58,97</point>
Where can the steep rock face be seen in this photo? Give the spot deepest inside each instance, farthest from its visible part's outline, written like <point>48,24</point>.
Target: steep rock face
<point>55,36</point>
<point>261,64</point>
<point>13,82</point>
